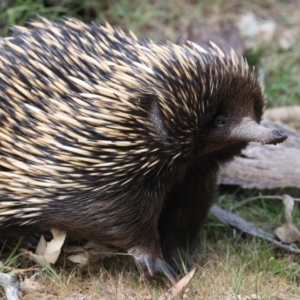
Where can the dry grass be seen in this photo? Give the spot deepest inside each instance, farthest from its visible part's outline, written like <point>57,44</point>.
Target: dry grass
<point>227,266</point>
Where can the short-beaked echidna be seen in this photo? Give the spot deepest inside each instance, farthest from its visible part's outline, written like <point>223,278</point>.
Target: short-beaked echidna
<point>119,140</point>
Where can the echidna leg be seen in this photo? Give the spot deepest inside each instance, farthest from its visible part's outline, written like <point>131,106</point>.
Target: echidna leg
<point>144,244</point>
<point>187,206</point>
<point>149,266</point>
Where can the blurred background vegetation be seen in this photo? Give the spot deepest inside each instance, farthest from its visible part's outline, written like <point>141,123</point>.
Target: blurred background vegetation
<point>266,32</point>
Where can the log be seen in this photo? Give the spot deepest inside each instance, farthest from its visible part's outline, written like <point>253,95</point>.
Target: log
<point>268,166</point>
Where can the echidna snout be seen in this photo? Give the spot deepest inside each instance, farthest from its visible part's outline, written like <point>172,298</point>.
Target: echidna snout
<point>278,136</point>
<point>250,131</point>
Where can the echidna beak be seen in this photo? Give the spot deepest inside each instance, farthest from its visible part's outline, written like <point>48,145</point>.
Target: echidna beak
<point>278,137</point>
<point>250,131</point>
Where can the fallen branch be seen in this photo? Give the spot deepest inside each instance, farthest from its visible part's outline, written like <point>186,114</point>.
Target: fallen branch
<point>11,286</point>
<point>283,114</point>
<point>248,227</point>
<point>268,166</point>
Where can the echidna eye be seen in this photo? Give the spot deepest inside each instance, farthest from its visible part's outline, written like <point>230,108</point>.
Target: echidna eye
<point>221,121</point>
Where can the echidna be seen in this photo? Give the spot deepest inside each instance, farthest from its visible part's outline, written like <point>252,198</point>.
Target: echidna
<point>119,140</point>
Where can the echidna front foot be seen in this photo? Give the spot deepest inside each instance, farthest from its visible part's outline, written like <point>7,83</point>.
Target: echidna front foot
<point>150,266</point>
<point>178,258</point>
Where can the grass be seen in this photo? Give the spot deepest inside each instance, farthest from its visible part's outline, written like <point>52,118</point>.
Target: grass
<point>229,263</point>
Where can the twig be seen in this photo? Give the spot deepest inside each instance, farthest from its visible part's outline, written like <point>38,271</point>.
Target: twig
<point>104,291</point>
<point>11,286</point>
<point>244,202</point>
<point>248,227</point>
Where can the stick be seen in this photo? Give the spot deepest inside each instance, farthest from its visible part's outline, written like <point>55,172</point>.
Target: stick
<point>248,227</point>
<point>11,286</point>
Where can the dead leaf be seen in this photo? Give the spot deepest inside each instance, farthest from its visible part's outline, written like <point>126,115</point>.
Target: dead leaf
<point>80,259</point>
<point>31,285</point>
<point>48,252</point>
<point>178,287</point>
<point>288,202</point>
<point>288,233</point>
<point>89,253</point>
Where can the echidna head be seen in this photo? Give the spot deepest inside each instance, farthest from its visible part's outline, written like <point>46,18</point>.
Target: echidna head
<point>211,101</point>
<point>235,110</point>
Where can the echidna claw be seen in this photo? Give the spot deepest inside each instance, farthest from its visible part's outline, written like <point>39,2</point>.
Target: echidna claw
<point>167,270</point>
<point>149,266</point>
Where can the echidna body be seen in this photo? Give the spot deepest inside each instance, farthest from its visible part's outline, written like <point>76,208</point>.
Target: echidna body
<point>119,140</point>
